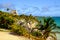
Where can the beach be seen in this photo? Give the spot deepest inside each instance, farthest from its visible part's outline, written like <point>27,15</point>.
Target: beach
<point>8,36</point>
<point>58,36</point>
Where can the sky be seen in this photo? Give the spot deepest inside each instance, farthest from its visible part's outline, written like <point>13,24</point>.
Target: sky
<point>34,7</point>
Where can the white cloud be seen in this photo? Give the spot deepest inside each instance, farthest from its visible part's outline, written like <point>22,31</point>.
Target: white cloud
<point>7,5</point>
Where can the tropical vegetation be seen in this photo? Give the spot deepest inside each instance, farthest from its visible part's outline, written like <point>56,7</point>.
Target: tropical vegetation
<point>28,26</point>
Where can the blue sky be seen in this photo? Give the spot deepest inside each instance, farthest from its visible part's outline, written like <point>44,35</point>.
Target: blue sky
<point>34,7</point>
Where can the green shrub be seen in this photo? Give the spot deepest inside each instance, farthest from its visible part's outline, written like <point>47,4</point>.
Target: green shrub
<point>5,21</point>
<point>36,33</point>
<point>19,30</point>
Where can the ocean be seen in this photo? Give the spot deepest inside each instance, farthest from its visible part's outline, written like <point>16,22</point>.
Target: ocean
<point>56,19</point>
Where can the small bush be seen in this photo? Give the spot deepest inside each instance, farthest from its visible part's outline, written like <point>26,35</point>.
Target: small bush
<point>36,33</point>
<point>19,30</point>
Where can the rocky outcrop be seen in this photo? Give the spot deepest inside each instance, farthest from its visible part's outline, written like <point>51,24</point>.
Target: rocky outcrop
<point>14,12</point>
<point>27,24</point>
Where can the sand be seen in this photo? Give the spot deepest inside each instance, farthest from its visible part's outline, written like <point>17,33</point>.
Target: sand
<point>8,36</point>
<point>58,36</point>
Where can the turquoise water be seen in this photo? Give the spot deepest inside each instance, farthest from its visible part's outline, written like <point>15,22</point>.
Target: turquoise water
<point>57,20</point>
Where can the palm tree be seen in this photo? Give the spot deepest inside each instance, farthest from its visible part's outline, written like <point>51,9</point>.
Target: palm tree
<point>48,26</point>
